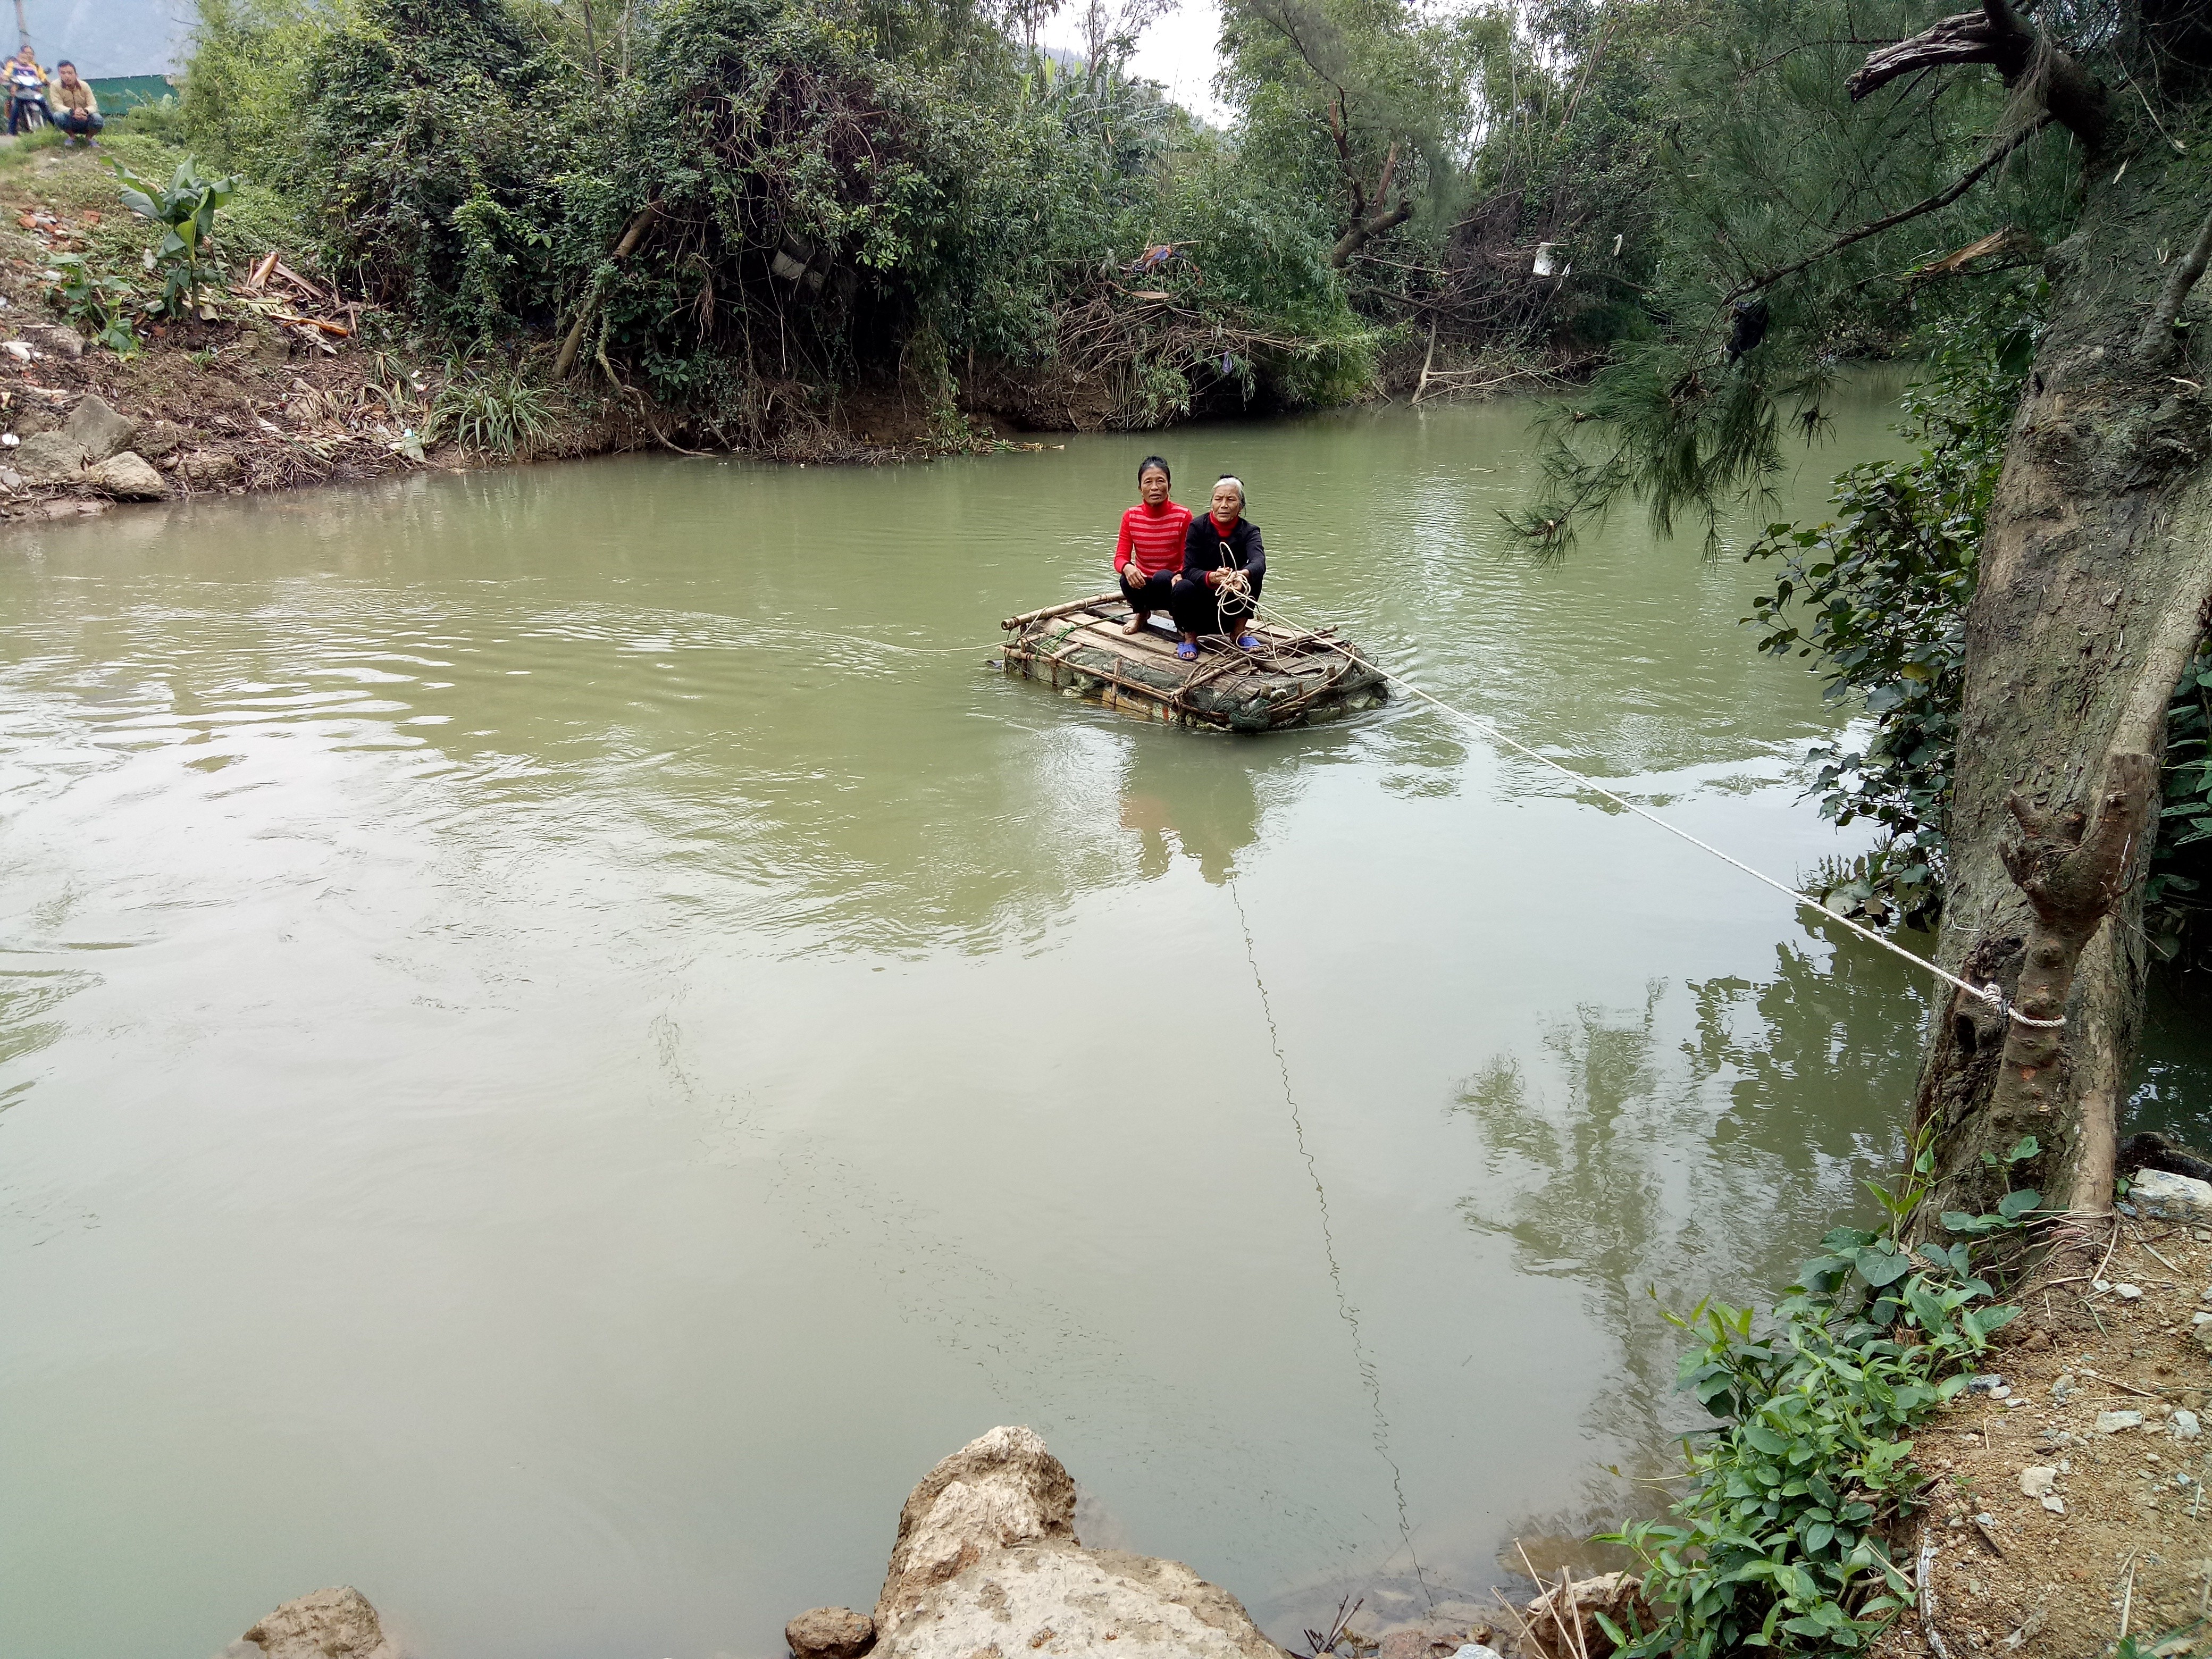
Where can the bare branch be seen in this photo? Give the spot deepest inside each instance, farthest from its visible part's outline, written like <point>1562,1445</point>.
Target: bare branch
<point>1995,35</point>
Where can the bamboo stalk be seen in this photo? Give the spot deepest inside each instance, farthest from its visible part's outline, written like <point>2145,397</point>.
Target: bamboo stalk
<point>1052,610</point>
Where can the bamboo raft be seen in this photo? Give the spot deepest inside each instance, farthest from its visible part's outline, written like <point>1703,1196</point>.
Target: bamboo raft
<point>1292,679</point>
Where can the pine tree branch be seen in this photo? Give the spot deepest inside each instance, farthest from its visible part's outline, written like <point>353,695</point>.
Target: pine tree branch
<point>1942,198</point>
<point>2158,344</point>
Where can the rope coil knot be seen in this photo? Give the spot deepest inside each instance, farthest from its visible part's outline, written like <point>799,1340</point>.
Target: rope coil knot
<point>1996,1000</point>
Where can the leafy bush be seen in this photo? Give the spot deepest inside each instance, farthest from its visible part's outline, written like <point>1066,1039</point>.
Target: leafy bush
<point>96,304</point>
<point>185,209</point>
<point>491,409</point>
<point>1779,1543</point>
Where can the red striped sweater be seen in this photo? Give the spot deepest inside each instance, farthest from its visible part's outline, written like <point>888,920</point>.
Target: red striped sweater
<point>1154,536</point>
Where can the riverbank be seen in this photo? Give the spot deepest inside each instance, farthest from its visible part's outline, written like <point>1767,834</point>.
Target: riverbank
<point>285,382</point>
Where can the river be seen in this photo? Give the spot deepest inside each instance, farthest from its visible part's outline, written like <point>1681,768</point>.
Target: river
<point>565,1034</point>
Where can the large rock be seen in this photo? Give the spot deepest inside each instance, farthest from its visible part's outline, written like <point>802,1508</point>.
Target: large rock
<point>330,1624</point>
<point>50,458</point>
<point>1055,1599</point>
<point>128,478</point>
<point>99,428</point>
<point>2171,1197</point>
<point>1001,1489</point>
<point>829,1633</point>
<point>987,1564</point>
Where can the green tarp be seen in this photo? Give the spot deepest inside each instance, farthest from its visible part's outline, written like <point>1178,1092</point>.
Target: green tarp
<point>120,92</point>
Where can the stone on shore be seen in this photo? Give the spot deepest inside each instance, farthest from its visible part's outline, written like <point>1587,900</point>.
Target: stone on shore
<point>128,478</point>
<point>829,1633</point>
<point>99,428</point>
<point>1058,1599</point>
<point>2171,1197</point>
<point>53,339</point>
<point>987,1561</point>
<point>330,1624</point>
<point>1000,1490</point>
<point>159,439</point>
<point>208,467</point>
<point>50,458</point>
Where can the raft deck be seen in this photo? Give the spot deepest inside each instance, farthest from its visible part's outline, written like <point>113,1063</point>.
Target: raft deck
<point>1292,679</point>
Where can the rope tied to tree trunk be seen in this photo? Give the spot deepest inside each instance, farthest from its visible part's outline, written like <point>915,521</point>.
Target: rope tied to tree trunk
<point>1989,993</point>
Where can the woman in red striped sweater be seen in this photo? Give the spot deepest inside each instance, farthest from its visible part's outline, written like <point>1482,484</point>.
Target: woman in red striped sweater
<point>1149,555</point>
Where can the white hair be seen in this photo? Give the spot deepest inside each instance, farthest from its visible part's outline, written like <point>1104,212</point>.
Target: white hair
<point>1230,479</point>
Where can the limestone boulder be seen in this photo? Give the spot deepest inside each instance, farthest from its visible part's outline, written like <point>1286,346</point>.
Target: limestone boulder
<point>829,1633</point>
<point>102,431</point>
<point>128,478</point>
<point>330,1624</point>
<point>2171,1197</point>
<point>45,458</point>
<point>1055,1599</point>
<point>1000,1489</point>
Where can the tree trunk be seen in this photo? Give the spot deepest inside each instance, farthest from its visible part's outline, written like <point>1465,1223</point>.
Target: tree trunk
<point>2095,574</point>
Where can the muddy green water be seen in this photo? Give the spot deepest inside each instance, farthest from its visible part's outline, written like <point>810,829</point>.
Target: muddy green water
<point>547,1078</point>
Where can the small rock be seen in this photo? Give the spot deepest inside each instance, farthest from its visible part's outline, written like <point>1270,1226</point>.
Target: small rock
<point>330,1624</point>
<point>2185,1425</point>
<point>2157,1192</point>
<point>2119,1422</point>
<point>2201,1235</point>
<point>1987,1382</point>
<point>2054,1503</point>
<point>2128,1292</point>
<point>128,478</point>
<point>2205,1336</point>
<point>2036,1480</point>
<point>830,1633</point>
<point>2037,1342</point>
<point>99,428</point>
<point>1476,1650</point>
<point>2201,1317</point>
<point>52,338</point>
<point>2100,1285</point>
<point>1423,1641</point>
<point>2061,1388</point>
<point>50,458</point>
<point>11,479</point>
<point>159,439</point>
<point>209,468</point>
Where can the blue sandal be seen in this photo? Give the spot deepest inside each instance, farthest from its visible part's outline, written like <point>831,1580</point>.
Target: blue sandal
<point>1187,651</point>
<point>1248,642</point>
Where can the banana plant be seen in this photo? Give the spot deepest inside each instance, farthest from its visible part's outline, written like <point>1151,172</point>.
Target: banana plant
<point>185,210</point>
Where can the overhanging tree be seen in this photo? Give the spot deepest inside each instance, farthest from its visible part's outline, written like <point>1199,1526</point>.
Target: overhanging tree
<point>1910,138</point>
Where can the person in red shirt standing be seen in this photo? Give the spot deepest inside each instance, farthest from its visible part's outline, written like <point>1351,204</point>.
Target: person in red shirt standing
<point>1150,553</point>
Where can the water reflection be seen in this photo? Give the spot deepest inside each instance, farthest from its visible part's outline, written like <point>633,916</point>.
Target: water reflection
<point>1687,1145</point>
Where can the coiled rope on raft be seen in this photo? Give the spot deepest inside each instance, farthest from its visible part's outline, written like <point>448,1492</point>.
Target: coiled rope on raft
<point>1989,993</point>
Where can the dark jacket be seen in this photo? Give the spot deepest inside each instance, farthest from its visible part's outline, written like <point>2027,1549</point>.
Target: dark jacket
<point>1202,548</point>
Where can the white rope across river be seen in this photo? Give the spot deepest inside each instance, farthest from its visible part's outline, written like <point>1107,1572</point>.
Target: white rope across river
<point>1989,993</point>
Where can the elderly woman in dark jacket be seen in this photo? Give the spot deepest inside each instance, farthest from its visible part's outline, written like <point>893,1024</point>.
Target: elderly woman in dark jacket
<point>1222,542</point>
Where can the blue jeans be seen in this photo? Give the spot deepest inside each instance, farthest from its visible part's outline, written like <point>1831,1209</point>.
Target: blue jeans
<point>80,124</point>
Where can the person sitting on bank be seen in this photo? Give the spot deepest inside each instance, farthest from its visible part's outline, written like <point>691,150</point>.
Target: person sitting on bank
<point>27,89</point>
<point>1150,552</point>
<point>1217,547</point>
<point>76,111</point>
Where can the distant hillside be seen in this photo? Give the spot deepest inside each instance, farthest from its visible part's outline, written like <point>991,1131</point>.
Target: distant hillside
<point>105,37</point>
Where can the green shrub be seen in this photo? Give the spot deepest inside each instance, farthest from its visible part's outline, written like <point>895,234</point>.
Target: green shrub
<point>1778,1545</point>
<point>489,408</point>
